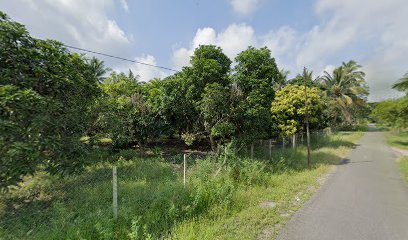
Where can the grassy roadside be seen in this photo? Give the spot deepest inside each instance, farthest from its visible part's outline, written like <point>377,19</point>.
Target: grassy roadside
<point>260,211</point>
<point>399,140</point>
<point>403,164</point>
<point>246,200</point>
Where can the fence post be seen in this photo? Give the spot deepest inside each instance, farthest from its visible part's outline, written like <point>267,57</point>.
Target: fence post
<point>252,150</point>
<point>184,170</point>
<point>270,148</point>
<point>283,142</point>
<point>115,193</point>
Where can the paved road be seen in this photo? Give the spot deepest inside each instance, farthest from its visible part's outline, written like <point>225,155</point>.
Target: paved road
<point>366,198</point>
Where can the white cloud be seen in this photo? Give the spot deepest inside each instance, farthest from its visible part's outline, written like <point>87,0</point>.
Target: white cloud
<point>244,7</point>
<point>125,5</point>
<point>280,42</point>
<point>146,71</point>
<point>328,69</point>
<point>83,23</point>
<point>234,39</point>
<point>348,27</point>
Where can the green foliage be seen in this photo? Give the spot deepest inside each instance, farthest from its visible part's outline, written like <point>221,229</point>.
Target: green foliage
<point>403,163</point>
<point>255,77</point>
<point>347,87</point>
<point>392,113</point>
<point>215,110</point>
<point>129,112</point>
<point>288,108</point>
<point>45,97</point>
<point>402,84</point>
<point>153,203</point>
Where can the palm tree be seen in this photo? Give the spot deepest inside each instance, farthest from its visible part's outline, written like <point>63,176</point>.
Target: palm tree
<point>346,85</point>
<point>283,79</point>
<point>98,68</point>
<point>402,84</point>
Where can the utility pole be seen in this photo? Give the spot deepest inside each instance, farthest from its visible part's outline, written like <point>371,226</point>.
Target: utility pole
<point>307,118</point>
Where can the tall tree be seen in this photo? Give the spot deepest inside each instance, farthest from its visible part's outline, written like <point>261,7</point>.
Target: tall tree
<point>289,111</point>
<point>255,77</point>
<point>215,108</point>
<point>98,68</point>
<point>402,84</point>
<point>347,86</point>
<point>209,65</point>
<point>45,98</point>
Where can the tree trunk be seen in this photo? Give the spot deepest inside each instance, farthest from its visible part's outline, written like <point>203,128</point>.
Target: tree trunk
<point>252,150</point>
<point>346,115</point>
<point>294,141</point>
<point>213,144</point>
<point>283,143</point>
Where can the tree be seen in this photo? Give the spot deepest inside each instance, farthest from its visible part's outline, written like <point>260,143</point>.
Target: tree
<point>392,113</point>
<point>176,107</point>
<point>45,98</point>
<point>347,86</point>
<point>402,84</point>
<point>116,106</point>
<point>214,106</point>
<point>288,108</point>
<point>208,65</point>
<point>299,80</point>
<point>255,77</point>
<point>98,69</point>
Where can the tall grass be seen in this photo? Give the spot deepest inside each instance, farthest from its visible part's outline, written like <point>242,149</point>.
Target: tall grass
<point>219,201</point>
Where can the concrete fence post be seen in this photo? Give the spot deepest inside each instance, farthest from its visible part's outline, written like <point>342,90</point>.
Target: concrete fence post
<point>252,150</point>
<point>115,193</point>
<point>184,168</point>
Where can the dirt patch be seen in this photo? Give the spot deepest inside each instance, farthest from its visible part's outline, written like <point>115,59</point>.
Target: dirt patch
<point>269,232</point>
<point>401,152</point>
<point>267,204</point>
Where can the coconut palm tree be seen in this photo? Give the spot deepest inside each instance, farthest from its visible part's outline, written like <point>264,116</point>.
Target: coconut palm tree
<point>283,79</point>
<point>346,85</point>
<point>98,68</point>
<point>402,84</point>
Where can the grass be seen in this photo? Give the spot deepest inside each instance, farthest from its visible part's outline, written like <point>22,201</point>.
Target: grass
<point>397,139</point>
<point>403,164</point>
<point>288,186</point>
<point>153,203</point>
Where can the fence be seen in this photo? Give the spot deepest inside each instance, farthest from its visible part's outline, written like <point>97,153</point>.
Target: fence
<point>87,204</point>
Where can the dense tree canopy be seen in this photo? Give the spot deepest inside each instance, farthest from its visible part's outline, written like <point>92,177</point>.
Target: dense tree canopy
<point>255,77</point>
<point>289,110</point>
<point>347,86</point>
<point>402,84</point>
<point>393,113</point>
<point>45,95</point>
<point>50,98</point>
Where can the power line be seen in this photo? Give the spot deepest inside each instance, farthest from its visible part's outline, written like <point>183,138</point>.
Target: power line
<point>120,58</point>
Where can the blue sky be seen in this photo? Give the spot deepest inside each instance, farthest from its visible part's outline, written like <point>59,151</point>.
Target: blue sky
<point>318,34</point>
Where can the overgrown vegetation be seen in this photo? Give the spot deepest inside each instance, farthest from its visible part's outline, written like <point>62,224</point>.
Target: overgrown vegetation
<point>65,120</point>
<point>403,163</point>
<point>393,114</point>
<point>153,202</point>
<point>397,139</point>
<point>51,98</point>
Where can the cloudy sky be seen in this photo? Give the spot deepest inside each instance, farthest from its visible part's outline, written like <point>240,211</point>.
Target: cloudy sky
<point>318,34</point>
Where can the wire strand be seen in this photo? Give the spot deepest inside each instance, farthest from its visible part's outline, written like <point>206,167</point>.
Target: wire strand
<point>120,58</point>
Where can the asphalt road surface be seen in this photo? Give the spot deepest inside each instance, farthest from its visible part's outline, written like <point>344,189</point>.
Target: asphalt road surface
<point>365,198</point>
